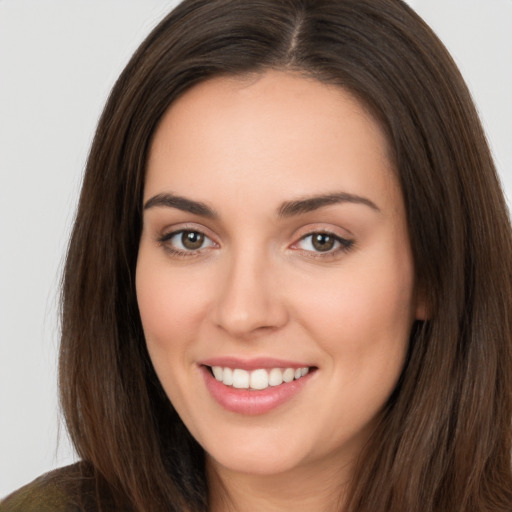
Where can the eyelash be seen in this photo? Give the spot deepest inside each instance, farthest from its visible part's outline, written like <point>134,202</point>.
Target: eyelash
<point>165,241</point>
<point>343,244</point>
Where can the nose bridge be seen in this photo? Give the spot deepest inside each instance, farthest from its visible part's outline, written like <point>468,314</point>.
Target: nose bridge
<point>248,300</point>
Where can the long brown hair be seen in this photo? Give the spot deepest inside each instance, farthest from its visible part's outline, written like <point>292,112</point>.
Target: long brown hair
<point>443,442</point>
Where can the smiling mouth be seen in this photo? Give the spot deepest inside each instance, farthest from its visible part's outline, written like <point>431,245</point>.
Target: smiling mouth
<point>259,379</point>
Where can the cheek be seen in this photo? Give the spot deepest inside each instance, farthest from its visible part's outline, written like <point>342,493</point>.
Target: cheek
<point>372,305</point>
<point>362,319</point>
<point>363,327</point>
<point>170,305</point>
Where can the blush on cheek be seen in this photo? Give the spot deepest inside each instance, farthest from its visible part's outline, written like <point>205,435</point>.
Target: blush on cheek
<point>170,306</point>
<point>155,311</point>
<point>356,317</point>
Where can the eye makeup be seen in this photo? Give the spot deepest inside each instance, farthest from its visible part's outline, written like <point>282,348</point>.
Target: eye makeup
<point>188,242</point>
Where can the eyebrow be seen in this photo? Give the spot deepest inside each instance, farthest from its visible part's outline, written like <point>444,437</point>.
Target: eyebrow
<point>181,203</point>
<point>309,204</point>
<point>287,209</point>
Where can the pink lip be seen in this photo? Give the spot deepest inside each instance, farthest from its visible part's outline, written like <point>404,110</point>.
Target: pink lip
<point>253,364</point>
<point>252,402</point>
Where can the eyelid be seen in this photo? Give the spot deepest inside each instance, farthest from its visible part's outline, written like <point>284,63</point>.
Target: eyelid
<point>166,235</point>
<point>344,242</point>
<point>321,227</point>
<point>185,226</point>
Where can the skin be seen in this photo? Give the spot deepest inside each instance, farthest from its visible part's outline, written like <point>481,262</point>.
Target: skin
<point>258,287</point>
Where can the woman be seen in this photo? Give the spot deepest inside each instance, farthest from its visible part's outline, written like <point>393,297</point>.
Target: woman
<point>288,284</point>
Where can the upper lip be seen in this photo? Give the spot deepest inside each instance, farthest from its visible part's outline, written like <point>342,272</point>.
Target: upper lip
<point>253,363</point>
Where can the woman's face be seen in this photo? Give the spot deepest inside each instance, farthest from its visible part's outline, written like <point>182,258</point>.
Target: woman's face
<point>275,254</point>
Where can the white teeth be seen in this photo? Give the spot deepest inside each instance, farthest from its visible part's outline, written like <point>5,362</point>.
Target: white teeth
<point>257,379</point>
<point>288,374</point>
<point>275,377</point>
<point>227,376</point>
<point>217,372</point>
<point>240,379</point>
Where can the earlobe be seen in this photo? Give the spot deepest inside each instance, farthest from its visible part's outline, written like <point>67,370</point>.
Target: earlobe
<point>422,310</point>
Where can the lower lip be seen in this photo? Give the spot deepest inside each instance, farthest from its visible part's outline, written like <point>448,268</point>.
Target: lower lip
<point>252,402</point>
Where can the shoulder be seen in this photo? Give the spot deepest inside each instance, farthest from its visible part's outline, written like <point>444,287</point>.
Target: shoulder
<point>63,490</point>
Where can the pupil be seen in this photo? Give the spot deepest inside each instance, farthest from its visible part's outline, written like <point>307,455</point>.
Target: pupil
<point>192,239</point>
<point>323,242</point>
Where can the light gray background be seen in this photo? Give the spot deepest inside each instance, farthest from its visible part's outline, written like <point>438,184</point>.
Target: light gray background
<point>58,61</point>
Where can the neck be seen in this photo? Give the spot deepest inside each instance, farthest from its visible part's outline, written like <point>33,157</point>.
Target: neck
<point>308,489</point>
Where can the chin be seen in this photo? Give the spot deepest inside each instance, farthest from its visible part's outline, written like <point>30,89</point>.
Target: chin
<point>259,463</point>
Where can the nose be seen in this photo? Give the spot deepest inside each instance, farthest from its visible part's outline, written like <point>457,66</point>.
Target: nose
<point>250,299</point>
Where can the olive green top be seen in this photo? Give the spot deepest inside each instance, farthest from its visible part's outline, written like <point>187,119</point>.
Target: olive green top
<point>67,489</point>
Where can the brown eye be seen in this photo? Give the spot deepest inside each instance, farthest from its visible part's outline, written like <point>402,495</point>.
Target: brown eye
<point>322,242</point>
<point>192,240</point>
<point>186,242</point>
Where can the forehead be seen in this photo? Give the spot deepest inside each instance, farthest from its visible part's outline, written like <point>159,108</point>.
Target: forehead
<point>280,129</point>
